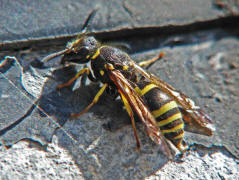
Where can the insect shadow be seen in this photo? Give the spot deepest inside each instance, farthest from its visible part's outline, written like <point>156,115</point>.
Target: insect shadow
<point>67,101</point>
<point>59,104</point>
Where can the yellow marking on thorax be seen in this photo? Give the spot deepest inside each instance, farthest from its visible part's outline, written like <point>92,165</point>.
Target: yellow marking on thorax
<point>109,66</point>
<point>166,107</point>
<point>174,129</point>
<point>87,57</point>
<point>147,89</point>
<point>125,67</point>
<point>102,72</point>
<point>97,53</point>
<point>170,119</point>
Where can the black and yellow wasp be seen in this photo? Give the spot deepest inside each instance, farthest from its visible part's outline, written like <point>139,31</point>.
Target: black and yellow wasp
<point>165,112</point>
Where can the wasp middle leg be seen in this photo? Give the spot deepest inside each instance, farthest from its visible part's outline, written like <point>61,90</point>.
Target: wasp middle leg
<point>95,100</point>
<point>130,112</point>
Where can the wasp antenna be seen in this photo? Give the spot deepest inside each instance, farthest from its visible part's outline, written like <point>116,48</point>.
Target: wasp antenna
<point>53,55</point>
<point>88,19</point>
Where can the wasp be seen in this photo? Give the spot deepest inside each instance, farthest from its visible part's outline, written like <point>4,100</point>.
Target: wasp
<point>164,111</point>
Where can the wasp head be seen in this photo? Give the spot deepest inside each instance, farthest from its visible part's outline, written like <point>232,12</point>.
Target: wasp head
<point>80,50</point>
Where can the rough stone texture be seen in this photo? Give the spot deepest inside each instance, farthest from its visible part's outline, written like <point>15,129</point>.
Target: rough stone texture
<point>54,162</point>
<point>198,165</point>
<point>23,161</point>
<point>15,102</point>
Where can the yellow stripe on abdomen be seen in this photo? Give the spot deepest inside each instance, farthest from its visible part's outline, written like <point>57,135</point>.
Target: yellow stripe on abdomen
<point>166,107</point>
<point>147,89</point>
<point>180,136</point>
<point>174,129</point>
<point>97,53</point>
<point>170,119</point>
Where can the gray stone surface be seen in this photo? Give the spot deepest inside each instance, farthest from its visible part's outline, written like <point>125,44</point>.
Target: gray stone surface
<point>31,162</point>
<point>216,165</point>
<point>27,20</point>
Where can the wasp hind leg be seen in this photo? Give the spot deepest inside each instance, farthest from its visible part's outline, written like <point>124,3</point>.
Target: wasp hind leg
<point>80,73</point>
<point>95,100</point>
<point>130,112</point>
<point>150,62</point>
<point>182,146</point>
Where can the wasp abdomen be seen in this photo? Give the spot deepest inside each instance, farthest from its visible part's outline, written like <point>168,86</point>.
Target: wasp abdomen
<point>165,111</point>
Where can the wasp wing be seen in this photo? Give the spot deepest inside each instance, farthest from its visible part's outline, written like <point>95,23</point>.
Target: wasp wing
<point>137,103</point>
<point>195,119</point>
<point>194,116</point>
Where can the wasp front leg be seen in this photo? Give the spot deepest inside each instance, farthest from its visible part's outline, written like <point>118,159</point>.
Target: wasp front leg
<point>80,73</point>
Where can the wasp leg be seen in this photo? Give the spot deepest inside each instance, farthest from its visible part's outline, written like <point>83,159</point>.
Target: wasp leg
<point>95,100</point>
<point>130,112</point>
<point>151,61</point>
<point>81,72</point>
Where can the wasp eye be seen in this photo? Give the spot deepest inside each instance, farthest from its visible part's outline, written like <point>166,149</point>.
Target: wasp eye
<point>84,51</point>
